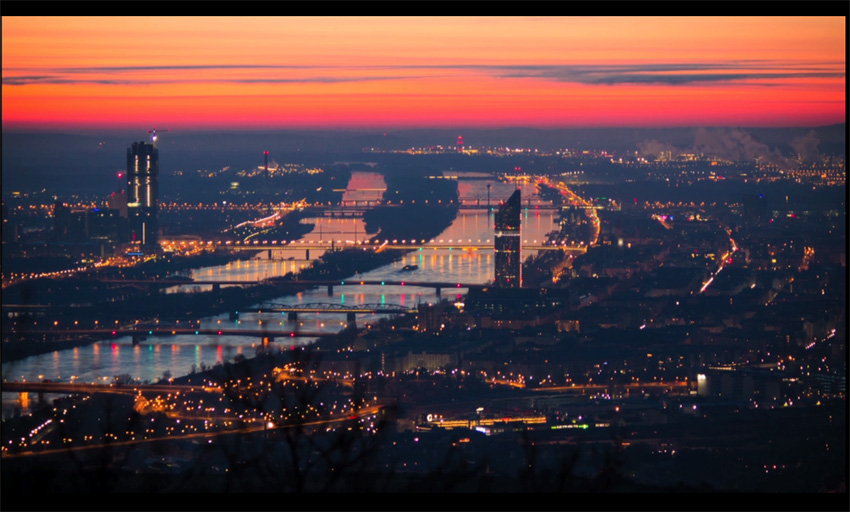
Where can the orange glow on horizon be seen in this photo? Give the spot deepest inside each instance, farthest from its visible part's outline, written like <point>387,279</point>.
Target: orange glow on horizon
<point>402,72</point>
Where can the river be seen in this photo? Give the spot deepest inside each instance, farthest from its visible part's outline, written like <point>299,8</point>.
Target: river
<point>177,355</point>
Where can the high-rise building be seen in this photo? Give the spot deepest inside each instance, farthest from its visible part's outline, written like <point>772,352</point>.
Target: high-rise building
<point>143,192</point>
<point>69,225</point>
<point>509,243</point>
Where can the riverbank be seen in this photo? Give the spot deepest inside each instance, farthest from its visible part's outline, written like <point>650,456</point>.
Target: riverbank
<point>83,301</point>
<point>19,343</point>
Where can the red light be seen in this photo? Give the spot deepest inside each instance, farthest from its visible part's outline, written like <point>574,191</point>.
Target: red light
<point>292,335</point>
<point>402,283</point>
<point>113,333</point>
<point>120,174</point>
<point>219,333</point>
<point>458,285</point>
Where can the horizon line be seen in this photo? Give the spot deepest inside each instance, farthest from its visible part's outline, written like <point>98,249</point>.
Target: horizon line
<point>73,130</point>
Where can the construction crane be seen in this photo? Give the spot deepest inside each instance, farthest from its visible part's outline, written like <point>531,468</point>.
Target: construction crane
<point>154,136</point>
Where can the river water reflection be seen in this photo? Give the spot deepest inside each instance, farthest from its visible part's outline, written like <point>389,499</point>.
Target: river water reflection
<point>177,355</point>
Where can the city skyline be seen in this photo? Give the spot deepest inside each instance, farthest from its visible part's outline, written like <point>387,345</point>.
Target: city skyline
<point>385,73</point>
<point>601,255</point>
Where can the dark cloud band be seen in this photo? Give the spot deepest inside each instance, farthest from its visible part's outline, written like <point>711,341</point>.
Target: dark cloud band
<point>603,74</point>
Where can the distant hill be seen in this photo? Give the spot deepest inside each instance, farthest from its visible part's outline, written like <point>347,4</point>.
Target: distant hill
<point>66,163</point>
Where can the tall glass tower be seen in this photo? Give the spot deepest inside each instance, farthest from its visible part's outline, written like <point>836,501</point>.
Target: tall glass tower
<point>509,243</point>
<point>143,192</point>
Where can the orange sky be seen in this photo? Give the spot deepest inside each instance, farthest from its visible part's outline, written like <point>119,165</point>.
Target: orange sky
<point>243,72</point>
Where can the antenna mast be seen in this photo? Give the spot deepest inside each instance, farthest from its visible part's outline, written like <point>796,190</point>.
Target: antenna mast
<point>154,135</point>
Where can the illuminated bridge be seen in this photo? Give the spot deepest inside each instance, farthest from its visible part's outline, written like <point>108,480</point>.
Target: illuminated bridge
<point>373,309</point>
<point>351,312</point>
<point>412,244</point>
<point>141,334</point>
<point>154,284</point>
<point>482,205</point>
<point>280,281</point>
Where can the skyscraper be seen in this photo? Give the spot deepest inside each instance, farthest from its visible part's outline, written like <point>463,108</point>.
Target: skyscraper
<point>509,243</point>
<point>143,192</point>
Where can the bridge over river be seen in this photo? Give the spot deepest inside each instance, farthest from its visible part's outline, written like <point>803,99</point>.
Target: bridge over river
<point>140,332</point>
<point>277,281</point>
<point>375,244</point>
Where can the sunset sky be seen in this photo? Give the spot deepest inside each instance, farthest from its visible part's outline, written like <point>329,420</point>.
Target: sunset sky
<point>244,72</point>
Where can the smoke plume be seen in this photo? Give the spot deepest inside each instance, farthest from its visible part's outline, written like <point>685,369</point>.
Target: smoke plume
<point>807,147</point>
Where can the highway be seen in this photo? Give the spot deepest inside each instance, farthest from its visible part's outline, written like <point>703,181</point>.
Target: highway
<point>240,428</point>
<point>91,389</point>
